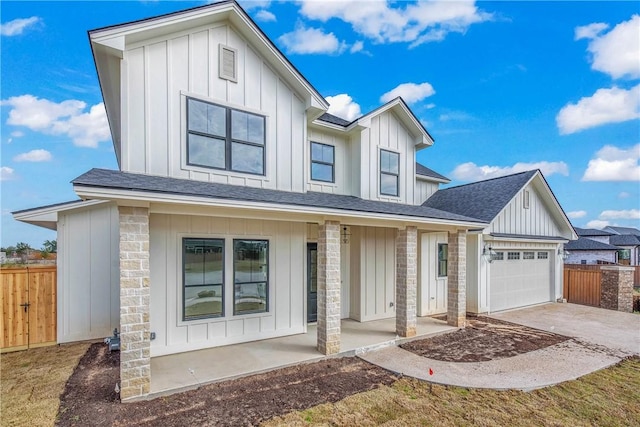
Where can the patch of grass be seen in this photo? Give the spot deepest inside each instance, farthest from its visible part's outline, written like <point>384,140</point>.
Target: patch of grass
<point>32,382</point>
<point>608,397</point>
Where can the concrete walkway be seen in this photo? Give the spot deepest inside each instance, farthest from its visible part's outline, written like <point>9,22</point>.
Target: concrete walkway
<point>598,342</point>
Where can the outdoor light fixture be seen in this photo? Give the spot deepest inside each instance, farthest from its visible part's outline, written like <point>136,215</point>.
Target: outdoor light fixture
<point>564,254</point>
<point>488,253</point>
<point>345,234</point>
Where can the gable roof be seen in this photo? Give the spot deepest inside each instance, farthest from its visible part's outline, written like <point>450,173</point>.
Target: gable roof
<point>133,182</point>
<point>484,199</point>
<point>429,173</point>
<point>109,43</point>
<point>591,232</point>
<point>625,240</point>
<point>586,244</point>
<point>623,230</point>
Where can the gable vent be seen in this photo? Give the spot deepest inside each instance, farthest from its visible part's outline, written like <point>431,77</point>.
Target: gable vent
<point>228,63</point>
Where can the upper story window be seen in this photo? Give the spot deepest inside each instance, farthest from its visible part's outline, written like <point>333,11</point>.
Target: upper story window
<point>223,138</point>
<point>323,159</point>
<point>389,173</point>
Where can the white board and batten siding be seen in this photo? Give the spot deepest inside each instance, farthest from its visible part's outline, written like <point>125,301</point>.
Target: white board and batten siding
<point>88,273</point>
<point>386,132</point>
<point>287,283</point>
<point>423,190</point>
<point>532,221</point>
<point>161,74</point>
<point>373,273</point>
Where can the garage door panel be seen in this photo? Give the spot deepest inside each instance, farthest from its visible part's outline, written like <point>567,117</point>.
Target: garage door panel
<point>519,282</point>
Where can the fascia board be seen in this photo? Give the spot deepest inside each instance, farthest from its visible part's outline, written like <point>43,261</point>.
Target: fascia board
<point>432,179</point>
<point>489,237</point>
<point>146,197</point>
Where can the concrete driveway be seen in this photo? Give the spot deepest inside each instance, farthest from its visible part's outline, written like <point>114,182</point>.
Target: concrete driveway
<point>614,330</point>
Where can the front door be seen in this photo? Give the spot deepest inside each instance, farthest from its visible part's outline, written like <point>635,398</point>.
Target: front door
<point>312,282</point>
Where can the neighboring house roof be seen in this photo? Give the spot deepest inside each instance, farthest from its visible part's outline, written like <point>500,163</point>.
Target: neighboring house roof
<point>483,200</point>
<point>103,178</point>
<point>425,171</point>
<point>623,230</point>
<point>625,240</point>
<point>591,232</point>
<point>586,244</point>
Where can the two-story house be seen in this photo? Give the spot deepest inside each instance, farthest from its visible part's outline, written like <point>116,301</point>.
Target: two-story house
<point>242,211</point>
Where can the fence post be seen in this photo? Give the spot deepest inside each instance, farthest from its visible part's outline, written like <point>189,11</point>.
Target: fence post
<point>617,288</point>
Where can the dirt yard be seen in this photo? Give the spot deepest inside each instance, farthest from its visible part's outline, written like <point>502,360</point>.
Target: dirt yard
<point>483,339</point>
<point>90,398</point>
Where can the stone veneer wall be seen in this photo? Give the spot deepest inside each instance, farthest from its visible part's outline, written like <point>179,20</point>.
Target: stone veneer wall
<point>457,279</point>
<point>329,288</point>
<point>616,288</point>
<point>135,358</point>
<point>406,281</point>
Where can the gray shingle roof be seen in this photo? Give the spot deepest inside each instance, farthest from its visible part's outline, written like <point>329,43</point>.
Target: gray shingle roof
<point>330,118</point>
<point>483,200</point>
<point>625,240</point>
<point>425,171</point>
<point>104,178</point>
<point>591,232</point>
<point>54,205</point>
<point>624,230</point>
<point>586,244</point>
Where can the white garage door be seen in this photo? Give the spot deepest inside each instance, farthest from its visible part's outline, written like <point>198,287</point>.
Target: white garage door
<point>520,278</point>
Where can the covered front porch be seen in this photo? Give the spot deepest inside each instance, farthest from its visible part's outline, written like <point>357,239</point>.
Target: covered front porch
<point>184,371</point>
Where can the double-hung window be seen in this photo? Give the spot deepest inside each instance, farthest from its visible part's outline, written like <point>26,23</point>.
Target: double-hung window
<point>389,173</point>
<point>224,138</point>
<point>322,162</point>
<point>443,259</point>
<point>250,276</point>
<point>203,278</point>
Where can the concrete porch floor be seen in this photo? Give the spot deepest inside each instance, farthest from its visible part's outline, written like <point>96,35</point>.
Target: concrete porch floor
<point>184,371</point>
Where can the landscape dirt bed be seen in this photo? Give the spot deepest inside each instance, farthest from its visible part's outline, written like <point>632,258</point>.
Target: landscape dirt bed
<point>90,398</point>
<point>483,339</point>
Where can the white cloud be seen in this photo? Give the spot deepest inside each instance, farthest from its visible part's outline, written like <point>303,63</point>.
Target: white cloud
<point>387,21</point>
<point>6,173</point>
<point>86,129</point>
<point>357,47</point>
<point>265,16</point>
<point>459,116</point>
<point>617,51</point>
<point>472,172</point>
<point>598,224</point>
<point>17,134</point>
<point>33,156</point>
<point>410,92</point>
<point>613,105</point>
<point>614,164</point>
<point>590,31</point>
<point>577,214</point>
<point>343,106</point>
<point>17,26</point>
<point>623,214</point>
<point>624,195</point>
<point>255,4</point>
<point>311,41</point>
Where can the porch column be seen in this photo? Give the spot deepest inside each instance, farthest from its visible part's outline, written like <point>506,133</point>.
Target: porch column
<point>406,281</point>
<point>135,360</point>
<point>457,279</point>
<point>329,287</point>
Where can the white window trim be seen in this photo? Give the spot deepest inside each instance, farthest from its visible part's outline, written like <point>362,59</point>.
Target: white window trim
<point>380,193</point>
<point>221,73</point>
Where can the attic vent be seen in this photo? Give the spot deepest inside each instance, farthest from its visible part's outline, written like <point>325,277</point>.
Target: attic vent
<point>228,63</point>
<point>525,199</point>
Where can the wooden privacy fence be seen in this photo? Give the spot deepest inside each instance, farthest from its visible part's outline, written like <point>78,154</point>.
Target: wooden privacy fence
<point>582,286</point>
<point>28,300</point>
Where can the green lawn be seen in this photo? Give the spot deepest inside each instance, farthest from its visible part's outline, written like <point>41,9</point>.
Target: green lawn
<point>610,397</point>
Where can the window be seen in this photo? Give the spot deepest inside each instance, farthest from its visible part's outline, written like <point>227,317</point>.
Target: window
<point>322,162</point>
<point>224,138</point>
<point>202,278</point>
<point>250,276</point>
<point>389,173</point>
<point>583,261</point>
<point>528,255</point>
<point>543,255</point>
<point>443,258</point>
<point>513,255</point>
<point>498,256</point>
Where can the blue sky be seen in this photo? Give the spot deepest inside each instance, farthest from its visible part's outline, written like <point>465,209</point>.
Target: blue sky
<point>501,86</point>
